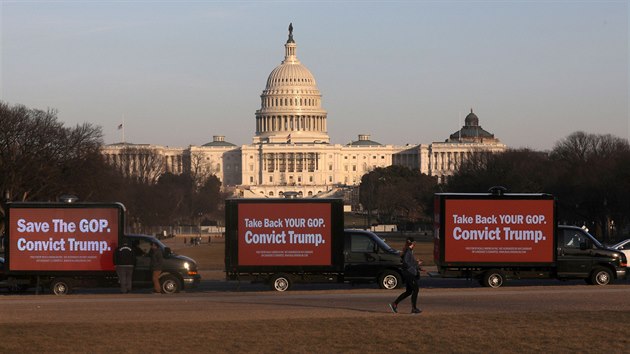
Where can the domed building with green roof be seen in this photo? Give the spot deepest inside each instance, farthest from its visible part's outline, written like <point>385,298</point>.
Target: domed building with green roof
<point>472,132</point>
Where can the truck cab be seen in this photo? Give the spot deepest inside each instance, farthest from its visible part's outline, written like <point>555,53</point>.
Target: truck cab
<point>580,255</point>
<point>367,258</point>
<point>179,272</point>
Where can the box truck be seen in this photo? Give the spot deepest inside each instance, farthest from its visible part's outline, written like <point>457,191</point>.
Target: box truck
<point>284,241</point>
<point>66,245</point>
<point>497,236</point>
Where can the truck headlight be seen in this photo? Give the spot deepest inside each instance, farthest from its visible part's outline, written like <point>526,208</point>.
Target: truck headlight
<point>187,265</point>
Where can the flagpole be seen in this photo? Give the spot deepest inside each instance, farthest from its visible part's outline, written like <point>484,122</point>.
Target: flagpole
<point>123,128</point>
<point>459,123</point>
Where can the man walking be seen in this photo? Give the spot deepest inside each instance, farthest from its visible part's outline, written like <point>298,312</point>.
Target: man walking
<point>124,260</point>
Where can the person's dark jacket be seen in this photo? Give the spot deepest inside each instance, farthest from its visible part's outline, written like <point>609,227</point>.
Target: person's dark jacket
<point>410,264</point>
<point>157,259</point>
<point>124,256</point>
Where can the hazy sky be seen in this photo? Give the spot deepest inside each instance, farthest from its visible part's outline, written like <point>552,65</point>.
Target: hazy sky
<point>405,72</point>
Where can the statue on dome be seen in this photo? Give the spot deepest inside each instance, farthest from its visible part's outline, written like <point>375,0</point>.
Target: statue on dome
<point>290,32</point>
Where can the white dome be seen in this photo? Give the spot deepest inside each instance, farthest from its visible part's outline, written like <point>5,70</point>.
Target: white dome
<point>291,74</point>
<point>291,110</point>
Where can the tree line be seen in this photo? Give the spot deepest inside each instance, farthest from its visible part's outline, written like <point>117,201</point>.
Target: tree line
<point>589,174</point>
<point>42,160</point>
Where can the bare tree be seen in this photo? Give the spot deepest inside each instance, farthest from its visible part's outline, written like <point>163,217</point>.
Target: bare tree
<point>143,163</point>
<point>397,193</point>
<point>593,184</point>
<point>520,170</point>
<point>38,155</point>
<point>200,170</point>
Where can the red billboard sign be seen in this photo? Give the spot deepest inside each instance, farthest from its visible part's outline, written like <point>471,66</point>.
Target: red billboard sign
<point>55,239</point>
<point>274,234</point>
<point>498,230</point>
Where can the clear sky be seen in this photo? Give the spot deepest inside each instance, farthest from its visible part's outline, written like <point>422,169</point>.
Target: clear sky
<point>405,72</point>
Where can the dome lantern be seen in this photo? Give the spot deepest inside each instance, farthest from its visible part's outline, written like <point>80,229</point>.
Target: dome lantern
<point>290,48</point>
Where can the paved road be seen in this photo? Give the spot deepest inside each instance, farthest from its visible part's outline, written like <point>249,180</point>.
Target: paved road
<point>218,301</point>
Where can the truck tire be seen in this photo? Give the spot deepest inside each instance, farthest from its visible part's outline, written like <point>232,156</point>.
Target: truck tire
<point>601,276</point>
<point>280,282</point>
<point>492,278</point>
<point>61,286</point>
<point>170,284</point>
<point>390,280</point>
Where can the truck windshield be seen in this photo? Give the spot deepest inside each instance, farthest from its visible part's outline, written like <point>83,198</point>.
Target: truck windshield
<point>595,241</point>
<point>142,244</point>
<point>381,244</point>
<point>159,243</point>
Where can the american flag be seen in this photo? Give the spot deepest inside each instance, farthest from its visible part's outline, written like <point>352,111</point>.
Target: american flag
<point>120,126</point>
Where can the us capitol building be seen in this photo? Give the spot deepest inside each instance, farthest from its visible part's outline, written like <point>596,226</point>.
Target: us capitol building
<point>291,150</point>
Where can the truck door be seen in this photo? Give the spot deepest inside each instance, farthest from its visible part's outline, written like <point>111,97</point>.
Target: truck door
<point>361,259</point>
<point>142,270</point>
<point>574,253</point>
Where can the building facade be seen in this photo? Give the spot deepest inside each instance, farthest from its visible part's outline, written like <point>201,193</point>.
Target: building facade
<point>291,149</point>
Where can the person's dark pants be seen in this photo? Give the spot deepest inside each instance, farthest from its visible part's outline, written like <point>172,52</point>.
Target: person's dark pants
<point>411,282</point>
<point>125,275</point>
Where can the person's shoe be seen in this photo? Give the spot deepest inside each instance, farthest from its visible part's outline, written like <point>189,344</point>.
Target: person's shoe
<point>393,307</point>
<point>416,310</point>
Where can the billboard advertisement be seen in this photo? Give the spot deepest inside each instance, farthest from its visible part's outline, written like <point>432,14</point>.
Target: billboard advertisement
<point>58,239</point>
<point>499,230</point>
<point>277,234</point>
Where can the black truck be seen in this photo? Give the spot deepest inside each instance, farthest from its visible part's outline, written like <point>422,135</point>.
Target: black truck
<point>285,241</point>
<point>62,246</point>
<point>495,236</point>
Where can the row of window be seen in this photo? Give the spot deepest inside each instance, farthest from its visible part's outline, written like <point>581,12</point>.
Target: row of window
<point>299,179</point>
<point>293,80</point>
<point>298,101</point>
<point>300,194</point>
<point>450,160</point>
<point>288,123</point>
<point>364,157</point>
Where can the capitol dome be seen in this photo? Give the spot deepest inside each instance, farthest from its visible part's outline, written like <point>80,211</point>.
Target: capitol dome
<point>291,109</point>
<point>289,75</point>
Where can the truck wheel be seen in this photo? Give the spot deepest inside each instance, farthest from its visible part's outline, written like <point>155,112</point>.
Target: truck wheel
<point>492,278</point>
<point>61,286</point>
<point>389,280</point>
<point>170,284</point>
<point>601,276</point>
<point>280,282</point>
